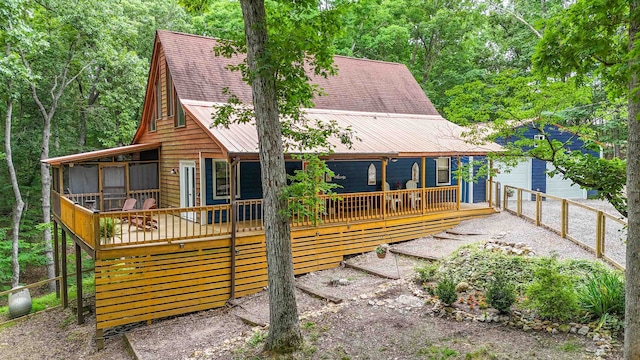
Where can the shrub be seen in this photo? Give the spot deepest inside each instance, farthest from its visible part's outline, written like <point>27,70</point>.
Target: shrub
<point>446,291</point>
<point>602,294</point>
<point>552,293</point>
<point>108,227</point>
<point>427,272</point>
<point>501,294</point>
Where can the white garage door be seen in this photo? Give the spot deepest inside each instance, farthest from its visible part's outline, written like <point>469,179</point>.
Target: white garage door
<point>558,186</point>
<point>518,176</point>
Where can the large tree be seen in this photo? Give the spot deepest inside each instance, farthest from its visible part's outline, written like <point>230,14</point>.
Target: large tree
<point>283,43</point>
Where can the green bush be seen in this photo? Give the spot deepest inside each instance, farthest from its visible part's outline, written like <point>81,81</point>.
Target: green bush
<point>446,291</point>
<point>501,294</point>
<point>552,294</point>
<point>427,272</point>
<point>602,294</point>
<point>108,227</point>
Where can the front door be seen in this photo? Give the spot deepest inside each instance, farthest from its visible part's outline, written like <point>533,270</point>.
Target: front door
<point>188,188</point>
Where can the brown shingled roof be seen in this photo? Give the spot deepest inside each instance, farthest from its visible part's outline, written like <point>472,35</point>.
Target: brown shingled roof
<point>361,85</point>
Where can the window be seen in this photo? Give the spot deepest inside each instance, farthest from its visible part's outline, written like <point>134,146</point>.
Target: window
<point>158,100</point>
<point>539,137</point>
<point>179,120</point>
<point>152,121</point>
<point>443,171</point>
<point>222,180</point>
<point>371,175</point>
<point>170,97</point>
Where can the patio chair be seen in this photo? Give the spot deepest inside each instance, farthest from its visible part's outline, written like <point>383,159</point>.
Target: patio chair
<point>129,204</point>
<point>146,222</point>
<point>413,196</point>
<point>391,199</point>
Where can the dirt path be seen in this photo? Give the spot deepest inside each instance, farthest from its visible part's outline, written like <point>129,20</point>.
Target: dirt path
<point>377,318</point>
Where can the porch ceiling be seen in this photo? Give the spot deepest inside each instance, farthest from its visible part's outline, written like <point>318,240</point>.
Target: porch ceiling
<point>375,134</point>
<point>99,154</point>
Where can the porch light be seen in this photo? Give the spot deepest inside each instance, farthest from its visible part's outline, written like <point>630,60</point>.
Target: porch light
<point>174,171</point>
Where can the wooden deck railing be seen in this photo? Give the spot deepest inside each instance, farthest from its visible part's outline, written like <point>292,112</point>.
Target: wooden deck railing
<point>164,225</point>
<point>554,213</point>
<point>86,199</point>
<point>121,228</point>
<point>142,195</point>
<point>80,220</point>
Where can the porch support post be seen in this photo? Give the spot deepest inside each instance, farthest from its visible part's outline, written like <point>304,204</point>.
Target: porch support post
<point>490,183</point>
<point>56,256</point>
<point>63,282</point>
<point>424,185</point>
<point>384,188</point>
<point>234,216</point>
<point>79,284</point>
<point>459,197</point>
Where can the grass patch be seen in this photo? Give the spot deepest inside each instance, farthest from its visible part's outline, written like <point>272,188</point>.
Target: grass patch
<point>570,347</point>
<point>434,352</point>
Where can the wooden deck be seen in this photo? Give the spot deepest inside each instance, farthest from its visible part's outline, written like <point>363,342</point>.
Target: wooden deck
<point>159,263</point>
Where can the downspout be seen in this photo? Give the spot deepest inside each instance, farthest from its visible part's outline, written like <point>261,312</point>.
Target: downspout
<point>233,211</point>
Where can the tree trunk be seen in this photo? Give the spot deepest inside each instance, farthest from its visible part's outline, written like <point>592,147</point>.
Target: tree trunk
<point>46,201</point>
<point>632,311</point>
<point>19,206</point>
<point>284,329</point>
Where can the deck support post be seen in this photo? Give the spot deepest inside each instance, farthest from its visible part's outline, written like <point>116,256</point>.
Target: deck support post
<point>79,284</point>
<point>56,256</point>
<point>99,339</point>
<point>424,185</point>
<point>63,282</point>
<point>234,215</point>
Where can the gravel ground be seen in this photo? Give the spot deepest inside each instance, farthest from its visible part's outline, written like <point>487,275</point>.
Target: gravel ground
<point>582,223</point>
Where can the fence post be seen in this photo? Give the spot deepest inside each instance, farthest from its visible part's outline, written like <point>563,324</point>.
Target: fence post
<point>519,203</point>
<point>599,234</point>
<point>538,209</point>
<point>564,221</point>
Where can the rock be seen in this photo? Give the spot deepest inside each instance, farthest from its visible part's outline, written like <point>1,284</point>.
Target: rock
<point>462,286</point>
<point>371,302</point>
<point>526,328</point>
<point>554,331</point>
<point>363,296</point>
<point>564,328</point>
<point>520,245</point>
<point>584,330</point>
<point>409,300</point>
<point>458,317</point>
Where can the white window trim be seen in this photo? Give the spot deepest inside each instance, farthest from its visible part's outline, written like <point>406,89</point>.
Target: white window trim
<point>214,179</point>
<point>438,160</point>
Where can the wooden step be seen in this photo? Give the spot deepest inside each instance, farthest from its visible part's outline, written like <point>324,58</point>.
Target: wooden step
<point>372,271</point>
<point>318,293</point>
<point>413,254</point>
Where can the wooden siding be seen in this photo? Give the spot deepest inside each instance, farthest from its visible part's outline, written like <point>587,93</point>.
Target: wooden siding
<point>178,143</point>
<point>140,283</point>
